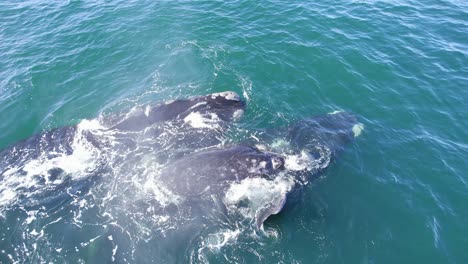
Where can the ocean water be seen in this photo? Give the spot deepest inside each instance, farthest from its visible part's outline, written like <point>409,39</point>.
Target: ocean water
<point>398,194</point>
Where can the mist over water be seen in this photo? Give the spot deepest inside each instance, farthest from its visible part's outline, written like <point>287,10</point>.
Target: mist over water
<point>396,194</point>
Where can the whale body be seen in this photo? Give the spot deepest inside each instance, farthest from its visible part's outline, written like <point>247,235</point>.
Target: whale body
<point>163,170</point>
<point>46,160</point>
<point>210,170</point>
<point>314,142</point>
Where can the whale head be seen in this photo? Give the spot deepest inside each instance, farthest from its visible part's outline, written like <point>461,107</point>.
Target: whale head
<point>228,105</point>
<point>325,135</point>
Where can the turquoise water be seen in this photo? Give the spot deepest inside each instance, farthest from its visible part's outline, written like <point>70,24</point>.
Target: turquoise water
<point>397,195</point>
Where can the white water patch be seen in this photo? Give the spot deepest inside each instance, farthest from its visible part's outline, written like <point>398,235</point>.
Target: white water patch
<point>214,243</point>
<point>236,116</point>
<point>336,112</point>
<point>228,95</point>
<point>84,158</point>
<point>197,105</point>
<point>31,216</point>
<point>114,251</point>
<point>219,239</point>
<point>246,84</point>
<point>300,162</point>
<point>281,145</point>
<point>160,193</point>
<point>6,195</point>
<point>135,111</point>
<point>92,124</point>
<point>169,102</point>
<point>306,162</point>
<point>147,110</point>
<point>435,226</point>
<point>197,120</point>
<point>257,194</point>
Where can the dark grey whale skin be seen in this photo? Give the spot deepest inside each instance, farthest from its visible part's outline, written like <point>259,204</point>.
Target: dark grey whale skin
<point>59,141</point>
<point>207,171</point>
<point>223,104</point>
<point>210,171</point>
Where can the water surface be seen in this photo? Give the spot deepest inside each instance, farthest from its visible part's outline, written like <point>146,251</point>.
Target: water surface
<point>397,195</point>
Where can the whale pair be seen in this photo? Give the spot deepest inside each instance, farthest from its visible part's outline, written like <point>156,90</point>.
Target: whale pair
<point>312,144</point>
<point>197,164</point>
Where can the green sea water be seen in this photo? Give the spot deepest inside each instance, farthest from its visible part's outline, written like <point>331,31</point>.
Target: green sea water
<point>398,194</point>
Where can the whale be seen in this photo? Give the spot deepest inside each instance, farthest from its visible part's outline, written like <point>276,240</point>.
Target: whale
<point>163,171</point>
<point>47,160</point>
<point>314,143</point>
<point>219,107</point>
<point>200,166</point>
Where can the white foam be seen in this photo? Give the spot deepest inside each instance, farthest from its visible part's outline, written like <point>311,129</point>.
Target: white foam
<point>257,168</point>
<point>229,95</point>
<point>237,114</point>
<point>299,162</point>
<point>304,161</point>
<point>31,216</point>
<point>82,158</point>
<point>246,84</point>
<point>147,110</point>
<point>7,196</point>
<point>77,164</point>
<point>336,112</point>
<point>260,147</point>
<point>92,124</point>
<point>161,194</point>
<point>114,251</point>
<point>258,192</point>
<point>197,120</point>
<point>280,144</point>
<point>218,240</point>
<point>197,105</point>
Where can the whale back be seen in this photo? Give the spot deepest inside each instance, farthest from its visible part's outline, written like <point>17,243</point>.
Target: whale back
<point>218,107</point>
<point>212,170</point>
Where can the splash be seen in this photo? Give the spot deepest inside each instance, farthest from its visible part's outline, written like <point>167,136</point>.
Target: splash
<point>197,120</point>
<point>49,169</point>
<point>257,198</point>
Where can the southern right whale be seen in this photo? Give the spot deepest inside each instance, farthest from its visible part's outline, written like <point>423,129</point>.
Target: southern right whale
<point>224,106</point>
<point>159,171</point>
<point>314,143</point>
<point>63,160</point>
<point>197,164</point>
